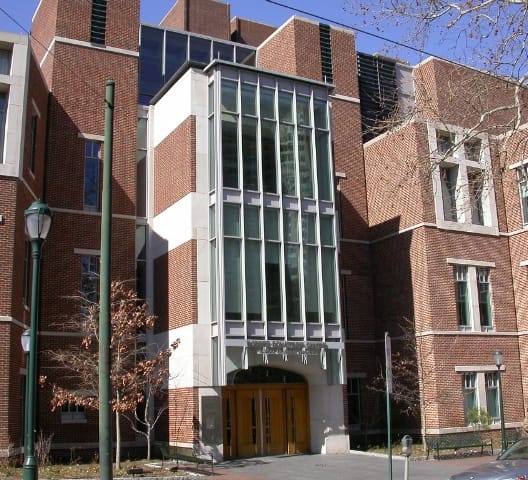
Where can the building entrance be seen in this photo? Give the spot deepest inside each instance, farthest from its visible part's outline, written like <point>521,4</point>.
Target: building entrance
<point>265,418</point>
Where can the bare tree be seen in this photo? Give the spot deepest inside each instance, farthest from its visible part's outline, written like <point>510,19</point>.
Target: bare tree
<point>413,374</point>
<point>139,371</point>
<point>488,36</point>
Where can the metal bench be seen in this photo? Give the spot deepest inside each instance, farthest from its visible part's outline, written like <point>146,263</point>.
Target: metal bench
<point>182,454</point>
<point>455,441</point>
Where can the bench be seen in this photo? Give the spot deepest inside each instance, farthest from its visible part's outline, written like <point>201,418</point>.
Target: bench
<point>455,441</point>
<point>184,454</point>
<point>512,436</point>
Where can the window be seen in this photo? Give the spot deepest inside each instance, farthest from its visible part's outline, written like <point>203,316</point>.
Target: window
<point>481,396</point>
<point>472,149</point>
<point>92,158</point>
<point>470,394</point>
<point>462,297</point>
<point>5,62</point>
<point>484,295</point>
<point>522,179</point>
<point>445,142</point>
<point>449,178</point>
<point>492,394</point>
<point>476,186</point>
<point>90,278</point>
<point>232,262</point>
<point>473,297</point>
<point>3,115</point>
<point>98,28</point>
<point>463,186</point>
<point>278,244</point>
<point>71,413</point>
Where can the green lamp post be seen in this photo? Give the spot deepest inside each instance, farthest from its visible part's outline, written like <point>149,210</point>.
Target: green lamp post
<point>38,223</point>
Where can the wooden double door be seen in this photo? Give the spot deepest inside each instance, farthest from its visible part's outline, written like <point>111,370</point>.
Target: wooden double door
<point>262,420</point>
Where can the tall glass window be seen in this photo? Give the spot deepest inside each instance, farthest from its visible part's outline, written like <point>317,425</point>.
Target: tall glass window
<point>305,162</point>
<point>5,62</point>
<point>492,394</point>
<point>273,283</point>
<point>329,285</point>
<point>269,156</point>
<point>287,160</point>
<point>233,279</point>
<point>291,279</point>
<point>253,281</point>
<point>324,176</point>
<point>175,52</point>
<point>311,287</point>
<point>91,175</point>
<point>462,297</point>
<point>484,294</point>
<point>267,103</point>
<point>476,191</point>
<point>275,140</point>
<point>249,98</point>
<point>253,263</point>
<point>470,392</point>
<point>249,153</point>
<point>230,150</point>
<point>90,278</point>
<point>311,283</point>
<point>449,178</point>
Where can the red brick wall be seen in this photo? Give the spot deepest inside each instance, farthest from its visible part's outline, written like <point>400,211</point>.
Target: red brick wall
<point>44,27</point>
<point>78,107</point>
<point>399,184</point>
<point>175,287</point>
<point>207,17</point>
<point>174,166</point>
<point>77,76</point>
<point>293,50</point>
<point>458,95</point>
<point>65,19</point>
<point>249,32</point>
<point>344,63</point>
<point>183,413</point>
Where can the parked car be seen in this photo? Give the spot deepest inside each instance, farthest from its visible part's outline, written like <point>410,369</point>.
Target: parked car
<point>510,465</point>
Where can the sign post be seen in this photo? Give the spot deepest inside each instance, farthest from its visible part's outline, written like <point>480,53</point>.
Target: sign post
<point>388,385</point>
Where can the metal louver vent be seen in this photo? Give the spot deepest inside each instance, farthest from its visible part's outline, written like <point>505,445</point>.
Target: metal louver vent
<point>326,52</point>
<point>378,93</point>
<point>98,30</point>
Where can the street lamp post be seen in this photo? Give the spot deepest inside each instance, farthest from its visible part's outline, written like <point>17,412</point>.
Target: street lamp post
<point>38,223</point>
<point>498,357</point>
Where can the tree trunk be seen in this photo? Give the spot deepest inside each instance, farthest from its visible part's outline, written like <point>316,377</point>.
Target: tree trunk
<point>148,442</point>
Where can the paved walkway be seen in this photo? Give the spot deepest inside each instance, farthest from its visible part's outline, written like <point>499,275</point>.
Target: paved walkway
<point>356,465</point>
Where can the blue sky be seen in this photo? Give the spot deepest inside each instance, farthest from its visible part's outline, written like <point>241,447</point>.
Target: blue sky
<point>152,11</point>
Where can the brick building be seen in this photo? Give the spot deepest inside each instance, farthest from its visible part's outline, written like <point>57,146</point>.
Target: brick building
<point>282,202</point>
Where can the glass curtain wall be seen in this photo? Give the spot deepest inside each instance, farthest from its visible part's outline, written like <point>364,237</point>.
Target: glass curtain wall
<point>276,187</point>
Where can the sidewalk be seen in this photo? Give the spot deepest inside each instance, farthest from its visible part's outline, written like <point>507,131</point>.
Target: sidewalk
<point>356,465</point>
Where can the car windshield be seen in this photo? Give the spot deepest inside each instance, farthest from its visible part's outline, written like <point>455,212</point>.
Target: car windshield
<point>517,451</point>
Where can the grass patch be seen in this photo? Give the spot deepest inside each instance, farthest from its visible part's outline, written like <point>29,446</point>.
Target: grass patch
<point>91,470</point>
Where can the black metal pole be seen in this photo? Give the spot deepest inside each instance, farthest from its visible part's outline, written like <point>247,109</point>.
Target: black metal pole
<point>30,468</point>
<point>501,408</point>
<point>105,388</point>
